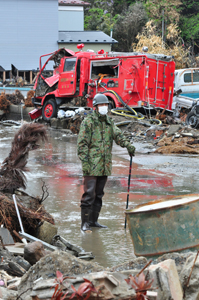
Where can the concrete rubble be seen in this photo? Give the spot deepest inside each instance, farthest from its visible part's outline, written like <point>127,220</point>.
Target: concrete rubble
<point>170,273</point>
<point>166,278</point>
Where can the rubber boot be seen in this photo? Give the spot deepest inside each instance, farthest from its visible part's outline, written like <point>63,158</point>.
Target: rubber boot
<point>93,220</point>
<point>85,212</point>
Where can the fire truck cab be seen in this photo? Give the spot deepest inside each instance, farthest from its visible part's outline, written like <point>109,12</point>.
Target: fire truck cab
<point>134,78</point>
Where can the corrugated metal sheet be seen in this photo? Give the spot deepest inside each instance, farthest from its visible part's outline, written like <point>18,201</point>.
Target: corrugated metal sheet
<point>73,2</point>
<point>94,47</point>
<point>29,29</point>
<point>97,37</point>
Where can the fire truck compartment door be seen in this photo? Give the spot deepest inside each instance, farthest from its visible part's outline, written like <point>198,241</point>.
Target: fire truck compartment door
<point>67,81</point>
<point>129,84</point>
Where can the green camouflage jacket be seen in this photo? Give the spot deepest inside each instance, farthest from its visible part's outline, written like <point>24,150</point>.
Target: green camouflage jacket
<point>94,144</point>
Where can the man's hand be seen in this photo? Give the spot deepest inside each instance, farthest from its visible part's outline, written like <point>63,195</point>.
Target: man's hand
<point>85,168</point>
<point>131,150</point>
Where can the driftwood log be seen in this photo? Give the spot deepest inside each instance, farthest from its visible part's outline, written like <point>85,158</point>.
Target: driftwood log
<point>26,139</point>
<point>12,178</point>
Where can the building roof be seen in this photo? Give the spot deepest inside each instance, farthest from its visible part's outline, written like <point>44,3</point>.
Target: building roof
<point>73,2</point>
<point>87,37</point>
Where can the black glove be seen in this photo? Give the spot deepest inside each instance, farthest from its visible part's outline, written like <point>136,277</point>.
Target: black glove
<point>131,150</point>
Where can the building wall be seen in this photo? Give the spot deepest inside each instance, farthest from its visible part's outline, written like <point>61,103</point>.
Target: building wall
<point>71,18</point>
<point>95,47</point>
<point>29,29</point>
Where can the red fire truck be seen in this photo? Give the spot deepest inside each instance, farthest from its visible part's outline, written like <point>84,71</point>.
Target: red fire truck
<point>135,79</point>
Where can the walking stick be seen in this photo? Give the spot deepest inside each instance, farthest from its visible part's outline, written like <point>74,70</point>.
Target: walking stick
<point>129,181</point>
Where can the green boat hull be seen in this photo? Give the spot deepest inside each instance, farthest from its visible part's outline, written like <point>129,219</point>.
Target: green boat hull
<point>163,226</point>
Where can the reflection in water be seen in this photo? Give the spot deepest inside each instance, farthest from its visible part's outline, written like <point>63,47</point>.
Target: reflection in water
<point>58,165</point>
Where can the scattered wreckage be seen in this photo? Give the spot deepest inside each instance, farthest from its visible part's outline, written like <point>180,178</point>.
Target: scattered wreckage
<point>34,273</point>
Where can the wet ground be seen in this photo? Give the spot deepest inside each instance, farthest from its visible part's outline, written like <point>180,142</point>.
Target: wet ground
<point>153,176</point>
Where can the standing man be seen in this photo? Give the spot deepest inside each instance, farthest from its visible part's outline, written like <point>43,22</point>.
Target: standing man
<point>94,147</point>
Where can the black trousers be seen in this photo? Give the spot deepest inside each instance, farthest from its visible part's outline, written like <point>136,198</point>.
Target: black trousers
<point>93,192</point>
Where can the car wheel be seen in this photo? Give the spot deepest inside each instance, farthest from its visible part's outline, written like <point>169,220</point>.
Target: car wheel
<point>49,110</point>
<point>192,119</point>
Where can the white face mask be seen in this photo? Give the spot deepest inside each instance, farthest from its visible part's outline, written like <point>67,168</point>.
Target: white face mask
<point>103,110</point>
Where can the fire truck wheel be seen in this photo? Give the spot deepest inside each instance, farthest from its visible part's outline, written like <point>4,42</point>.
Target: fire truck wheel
<point>49,110</point>
<point>111,104</point>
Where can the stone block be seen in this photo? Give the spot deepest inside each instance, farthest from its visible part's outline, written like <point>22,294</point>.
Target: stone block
<point>55,123</point>
<point>191,267</point>
<point>46,232</point>
<point>15,108</point>
<point>151,295</point>
<point>64,123</point>
<point>166,279</point>
<point>6,236</point>
<point>6,294</point>
<point>33,252</point>
<point>173,129</point>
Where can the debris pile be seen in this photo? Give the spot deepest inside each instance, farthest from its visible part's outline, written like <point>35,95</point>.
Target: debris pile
<point>4,103</point>
<point>179,139</point>
<point>79,101</point>
<point>28,99</point>
<point>70,118</point>
<point>15,98</point>
<point>58,273</point>
<point>15,81</point>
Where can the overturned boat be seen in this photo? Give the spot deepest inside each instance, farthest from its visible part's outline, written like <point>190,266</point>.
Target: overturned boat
<point>166,225</point>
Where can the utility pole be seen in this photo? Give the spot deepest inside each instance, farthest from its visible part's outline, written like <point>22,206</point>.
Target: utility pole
<point>111,34</point>
<point>162,26</point>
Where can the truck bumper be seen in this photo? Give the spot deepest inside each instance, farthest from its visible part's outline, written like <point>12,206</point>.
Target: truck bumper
<point>35,113</point>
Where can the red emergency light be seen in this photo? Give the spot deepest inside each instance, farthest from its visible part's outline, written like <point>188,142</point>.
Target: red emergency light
<point>80,46</point>
<point>100,51</point>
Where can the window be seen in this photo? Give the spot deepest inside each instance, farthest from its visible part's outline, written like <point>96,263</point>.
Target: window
<point>108,68</point>
<point>196,77</point>
<point>187,77</point>
<point>70,64</point>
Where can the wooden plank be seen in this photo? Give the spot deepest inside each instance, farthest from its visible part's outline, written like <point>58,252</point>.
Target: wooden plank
<point>6,236</point>
<point>16,250</point>
<point>30,77</point>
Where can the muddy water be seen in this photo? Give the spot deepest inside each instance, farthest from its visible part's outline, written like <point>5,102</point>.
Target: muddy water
<point>56,163</point>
